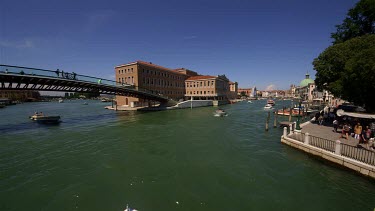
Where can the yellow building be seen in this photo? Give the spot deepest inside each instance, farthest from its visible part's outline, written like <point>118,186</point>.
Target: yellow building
<point>205,87</point>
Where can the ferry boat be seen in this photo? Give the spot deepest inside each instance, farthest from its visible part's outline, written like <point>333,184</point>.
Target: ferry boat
<point>41,118</point>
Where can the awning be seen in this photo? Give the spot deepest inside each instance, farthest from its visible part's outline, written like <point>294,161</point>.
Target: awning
<point>318,99</point>
<point>341,112</point>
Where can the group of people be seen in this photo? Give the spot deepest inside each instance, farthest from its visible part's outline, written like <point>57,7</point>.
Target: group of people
<point>363,134</point>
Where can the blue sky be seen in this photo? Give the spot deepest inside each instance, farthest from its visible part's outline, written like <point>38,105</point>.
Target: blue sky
<point>263,43</point>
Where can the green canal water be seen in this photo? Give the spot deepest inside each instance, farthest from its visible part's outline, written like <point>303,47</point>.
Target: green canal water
<point>98,159</point>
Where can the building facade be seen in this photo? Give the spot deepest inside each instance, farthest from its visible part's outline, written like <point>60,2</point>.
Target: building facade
<point>19,95</point>
<point>158,79</point>
<point>245,92</point>
<point>205,87</point>
<point>177,84</point>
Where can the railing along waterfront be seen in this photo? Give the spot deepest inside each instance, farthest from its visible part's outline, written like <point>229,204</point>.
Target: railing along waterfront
<point>322,143</point>
<point>359,154</point>
<point>299,136</point>
<point>61,74</point>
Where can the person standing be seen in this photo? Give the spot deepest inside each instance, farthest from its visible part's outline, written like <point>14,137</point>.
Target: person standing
<point>335,125</point>
<point>357,131</point>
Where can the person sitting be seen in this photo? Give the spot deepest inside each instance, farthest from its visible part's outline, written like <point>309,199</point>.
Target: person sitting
<point>366,135</point>
<point>345,131</point>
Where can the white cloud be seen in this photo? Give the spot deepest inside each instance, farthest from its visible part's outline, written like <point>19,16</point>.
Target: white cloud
<point>17,44</point>
<point>97,19</point>
<point>190,37</point>
<point>270,87</point>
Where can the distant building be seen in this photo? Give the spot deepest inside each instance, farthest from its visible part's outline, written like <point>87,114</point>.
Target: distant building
<point>308,91</point>
<point>205,87</point>
<point>233,90</point>
<point>253,92</point>
<point>244,92</point>
<point>20,95</point>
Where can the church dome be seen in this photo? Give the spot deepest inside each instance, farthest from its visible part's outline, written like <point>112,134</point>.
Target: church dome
<point>306,81</point>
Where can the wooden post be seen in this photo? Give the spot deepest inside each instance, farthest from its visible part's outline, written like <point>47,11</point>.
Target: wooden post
<point>275,119</point>
<point>267,121</point>
<point>290,114</point>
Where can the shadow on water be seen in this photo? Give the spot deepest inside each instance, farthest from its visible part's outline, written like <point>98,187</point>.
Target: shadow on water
<point>71,121</point>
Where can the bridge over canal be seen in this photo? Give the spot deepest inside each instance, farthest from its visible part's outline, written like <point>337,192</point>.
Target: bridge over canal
<point>27,78</point>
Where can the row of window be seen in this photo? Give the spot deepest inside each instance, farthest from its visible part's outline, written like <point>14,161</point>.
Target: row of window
<point>162,83</point>
<point>200,92</point>
<point>163,74</point>
<point>129,70</point>
<point>168,92</point>
<point>200,84</point>
<point>127,80</point>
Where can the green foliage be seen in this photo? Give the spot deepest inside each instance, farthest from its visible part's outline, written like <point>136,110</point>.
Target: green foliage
<point>347,70</point>
<point>243,93</point>
<point>360,21</point>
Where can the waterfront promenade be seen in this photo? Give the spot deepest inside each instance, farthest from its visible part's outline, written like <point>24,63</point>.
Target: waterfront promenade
<point>327,132</point>
<point>323,142</point>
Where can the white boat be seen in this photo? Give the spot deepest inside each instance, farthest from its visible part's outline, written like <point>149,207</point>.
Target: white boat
<point>249,101</point>
<point>268,107</point>
<point>61,100</point>
<point>220,113</point>
<point>41,118</point>
<point>129,209</point>
<point>85,103</point>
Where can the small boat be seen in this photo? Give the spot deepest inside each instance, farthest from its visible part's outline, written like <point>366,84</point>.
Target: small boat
<point>129,209</point>
<point>249,101</point>
<point>105,100</point>
<point>268,107</point>
<point>220,112</point>
<point>271,102</point>
<point>61,100</point>
<point>41,118</point>
<point>85,103</point>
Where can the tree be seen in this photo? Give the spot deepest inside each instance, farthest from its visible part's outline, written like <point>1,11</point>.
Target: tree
<point>360,21</point>
<point>347,70</point>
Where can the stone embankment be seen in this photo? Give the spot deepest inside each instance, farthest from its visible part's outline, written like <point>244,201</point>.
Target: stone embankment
<point>323,142</point>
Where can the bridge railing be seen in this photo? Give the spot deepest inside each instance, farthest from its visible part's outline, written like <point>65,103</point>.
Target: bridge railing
<point>61,74</point>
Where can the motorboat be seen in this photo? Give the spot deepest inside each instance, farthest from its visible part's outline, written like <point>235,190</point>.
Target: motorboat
<point>271,102</point>
<point>268,107</point>
<point>41,118</point>
<point>249,101</point>
<point>85,103</point>
<point>220,113</point>
<point>105,100</point>
<point>61,100</point>
<point>129,209</point>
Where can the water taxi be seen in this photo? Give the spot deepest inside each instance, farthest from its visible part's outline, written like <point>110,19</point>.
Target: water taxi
<point>220,112</point>
<point>41,118</point>
<point>268,107</point>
